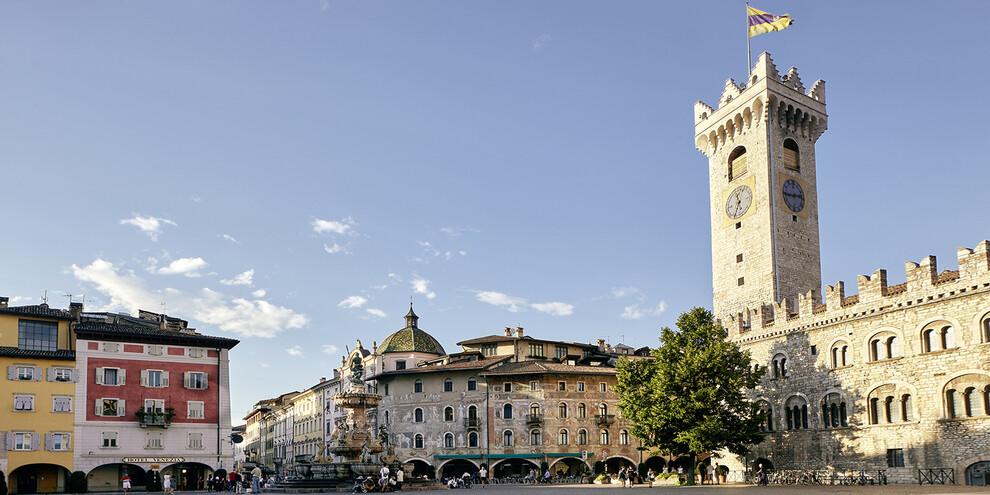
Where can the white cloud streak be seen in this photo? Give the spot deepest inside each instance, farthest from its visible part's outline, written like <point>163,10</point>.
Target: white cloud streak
<point>340,227</point>
<point>517,304</point>
<point>294,351</point>
<point>183,266</point>
<point>376,313</point>
<point>244,317</point>
<point>352,302</point>
<point>151,226</point>
<point>244,278</point>
<point>422,286</point>
<point>330,349</point>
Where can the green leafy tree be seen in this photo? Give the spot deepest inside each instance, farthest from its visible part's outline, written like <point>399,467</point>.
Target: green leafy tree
<point>691,397</point>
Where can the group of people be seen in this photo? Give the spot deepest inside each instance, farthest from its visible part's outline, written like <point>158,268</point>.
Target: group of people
<point>388,481</point>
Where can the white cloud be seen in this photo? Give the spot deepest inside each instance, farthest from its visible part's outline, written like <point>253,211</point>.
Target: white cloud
<point>336,248</point>
<point>247,318</point>
<point>352,302</point>
<point>14,301</point>
<point>554,308</point>
<point>228,237</point>
<point>541,42</point>
<point>634,312</point>
<point>259,293</point>
<point>294,351</point>
<point>376,312</point>
<point>456,231</point>
<point>265,365</point>
<point>152,226</point>
<point>422,286</point>
<point>330,349</point>
<point>183,266</point>
<point>462,252</point>
<point>240,279</point>
<point>341,227</point>
<point>517,304</point>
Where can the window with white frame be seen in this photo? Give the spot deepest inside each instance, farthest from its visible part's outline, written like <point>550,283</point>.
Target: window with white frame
<point>534,386</point>
<point>195,380</point>
<point>154,378</point>
<point>448,440</point>
<point>57,442</point>
<point>154,405</point>
<point>60,374</point>
<point>195,440</point>
<point>153,440</point>
<point>109,440</point>
<point>110,407</point>
<point>603,387</point>
<point>110,376</point>
<point>22,440</point>
<point>61,403</point>
<point>580,386</point>
<point>195,409</point>
<point>22,373</point>
<point>23,402</point>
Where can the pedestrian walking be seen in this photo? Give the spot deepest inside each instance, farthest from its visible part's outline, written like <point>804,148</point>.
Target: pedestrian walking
<point>622,477</point>
<point>483,476</point>
<point>650,475</point>
<point>166,483</point>
<point>256,479</point>
<point>125,482</point>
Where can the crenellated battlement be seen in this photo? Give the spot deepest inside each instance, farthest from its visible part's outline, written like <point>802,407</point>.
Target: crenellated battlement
<point>766,97</point>
<point>924,284</point>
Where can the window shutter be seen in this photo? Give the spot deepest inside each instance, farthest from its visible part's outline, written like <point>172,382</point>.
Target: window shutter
<point>36,376</point>
<point>11,372</point>
<point>144,378</point>
<point>50,374</point>
<point>206,381</point>
<point>164,378</point>
<point>99,407</point>
<point>99,376</point>
<point>11,438</point>
<point>73,375</point>
<point>49,441</point>
<point>120,408</point>
<point>121,376</point>
<point>35,442</point>
<point>185,379</point>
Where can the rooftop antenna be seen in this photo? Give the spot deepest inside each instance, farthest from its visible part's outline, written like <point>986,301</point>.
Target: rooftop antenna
<point>164,307</point>
<point>69,296</point>
<point>44,299</point>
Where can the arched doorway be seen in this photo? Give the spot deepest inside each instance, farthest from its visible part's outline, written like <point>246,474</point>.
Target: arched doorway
<point>767,465</point>
<point>455,468</point>
<point>568,466</point>
<point>38,478</point>
<point>513,467</point>
<point>683,462</point>
<point>614,464</point>
<point>188,475</point>
<point>977,473</point>
<point>421,469</point>
<point>107,477</point>
<point>656,463</point>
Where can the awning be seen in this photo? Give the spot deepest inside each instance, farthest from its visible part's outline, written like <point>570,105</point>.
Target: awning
<point>514,456</point>
<point>565,454</point>
<point>458,456</point>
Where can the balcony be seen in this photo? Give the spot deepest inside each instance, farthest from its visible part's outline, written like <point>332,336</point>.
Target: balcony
<point>472,423</point>
<point>605,420</point>
<point>155,418</point>
<point>534,419</point>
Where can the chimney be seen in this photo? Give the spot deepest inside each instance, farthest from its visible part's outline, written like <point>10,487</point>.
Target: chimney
<point>519,332</point>
<point>608,348</point>
<point>323,379</point>
<point>601,344</point>
<point>3,302</point>
<point>75,309</point>
<point>508,332</point>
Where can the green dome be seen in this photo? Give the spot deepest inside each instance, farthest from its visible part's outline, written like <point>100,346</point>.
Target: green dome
<point>411,339</point>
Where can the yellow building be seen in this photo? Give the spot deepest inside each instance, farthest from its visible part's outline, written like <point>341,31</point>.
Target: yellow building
<point>37,349</point>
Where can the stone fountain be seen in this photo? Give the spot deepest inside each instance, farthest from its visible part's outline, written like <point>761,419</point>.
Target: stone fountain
<point>352,439</point>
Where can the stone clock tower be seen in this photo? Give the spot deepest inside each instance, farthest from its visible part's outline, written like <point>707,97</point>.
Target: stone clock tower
<point>760,145</point>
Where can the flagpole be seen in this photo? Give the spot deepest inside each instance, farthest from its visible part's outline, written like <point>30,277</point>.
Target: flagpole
<point>749,55</point>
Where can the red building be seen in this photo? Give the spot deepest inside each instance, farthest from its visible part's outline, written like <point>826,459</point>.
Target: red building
<point>153,394</point>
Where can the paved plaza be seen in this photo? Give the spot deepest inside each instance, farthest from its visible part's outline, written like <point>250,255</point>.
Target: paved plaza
<point>733,489</point>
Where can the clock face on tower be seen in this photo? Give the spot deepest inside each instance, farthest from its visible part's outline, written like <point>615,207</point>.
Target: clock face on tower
<point>793,195</point>
<point>737,204</point>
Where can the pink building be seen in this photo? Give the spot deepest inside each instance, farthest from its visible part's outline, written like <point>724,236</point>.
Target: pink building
<point>152,394</point>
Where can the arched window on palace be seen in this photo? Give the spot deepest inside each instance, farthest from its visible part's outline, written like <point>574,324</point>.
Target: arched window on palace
<point>840,354</point>
<point>562,410</point>
<point>968,396</point>
<point>418,386</point>
<point>418,415</point>
<point>834,413</point>
<point>624,437</point>
<point>779,366</point>
<point>884,345</point>
<point>737,162</point>
<point>473,439</point>
<point>582,438</point>
<point>448,440</point>
<point>472,412</point>
<point>534,437</point>
<point>890,403</point>
<point>418,441</point>
<point>507,438</point>
<point>796,413</point>
<point>582,411</point>
<point>604,437</point>
<point>448,413</point>
<point>534,409</point>
<point>562,437</point>
<point>985,329</point>
<point>937,336</point>
<point>507,411</point>
<point>767,411</point>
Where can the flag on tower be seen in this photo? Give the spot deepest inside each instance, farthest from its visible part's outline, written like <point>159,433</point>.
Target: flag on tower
<point>762,22</point>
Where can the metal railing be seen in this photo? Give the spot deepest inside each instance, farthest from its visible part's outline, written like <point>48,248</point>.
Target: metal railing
<point>937,476</point>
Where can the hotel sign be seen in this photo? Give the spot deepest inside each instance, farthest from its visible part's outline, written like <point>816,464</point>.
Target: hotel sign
<point>156,460</point>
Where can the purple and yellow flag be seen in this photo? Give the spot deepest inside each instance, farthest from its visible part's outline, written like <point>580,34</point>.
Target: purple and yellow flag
<point>761,22</point>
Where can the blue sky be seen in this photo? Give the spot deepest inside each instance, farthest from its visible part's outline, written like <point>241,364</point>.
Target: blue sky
<point>291,173</point>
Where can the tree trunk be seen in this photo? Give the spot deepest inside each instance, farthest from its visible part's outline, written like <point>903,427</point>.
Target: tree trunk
<point>691,467</point>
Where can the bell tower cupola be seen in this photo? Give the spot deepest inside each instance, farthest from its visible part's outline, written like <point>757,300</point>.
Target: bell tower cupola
<point>760,144</point>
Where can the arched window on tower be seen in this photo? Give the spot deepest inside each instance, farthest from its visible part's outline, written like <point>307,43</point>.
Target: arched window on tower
<point>907,408</point>
<point>779,366</point>
<point>985,334</point>
<point>791,155</point>
<point>737,162</point>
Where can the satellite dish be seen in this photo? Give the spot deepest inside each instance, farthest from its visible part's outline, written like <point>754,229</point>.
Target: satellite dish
<point>236,438</point>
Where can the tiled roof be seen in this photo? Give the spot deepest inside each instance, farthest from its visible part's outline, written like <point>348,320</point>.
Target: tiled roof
<point>411,340</point>
<point>60,355</point>
<point>118,332</point>
<point>541,367</point>
<point>502,338</point>
<point>40,311</point>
